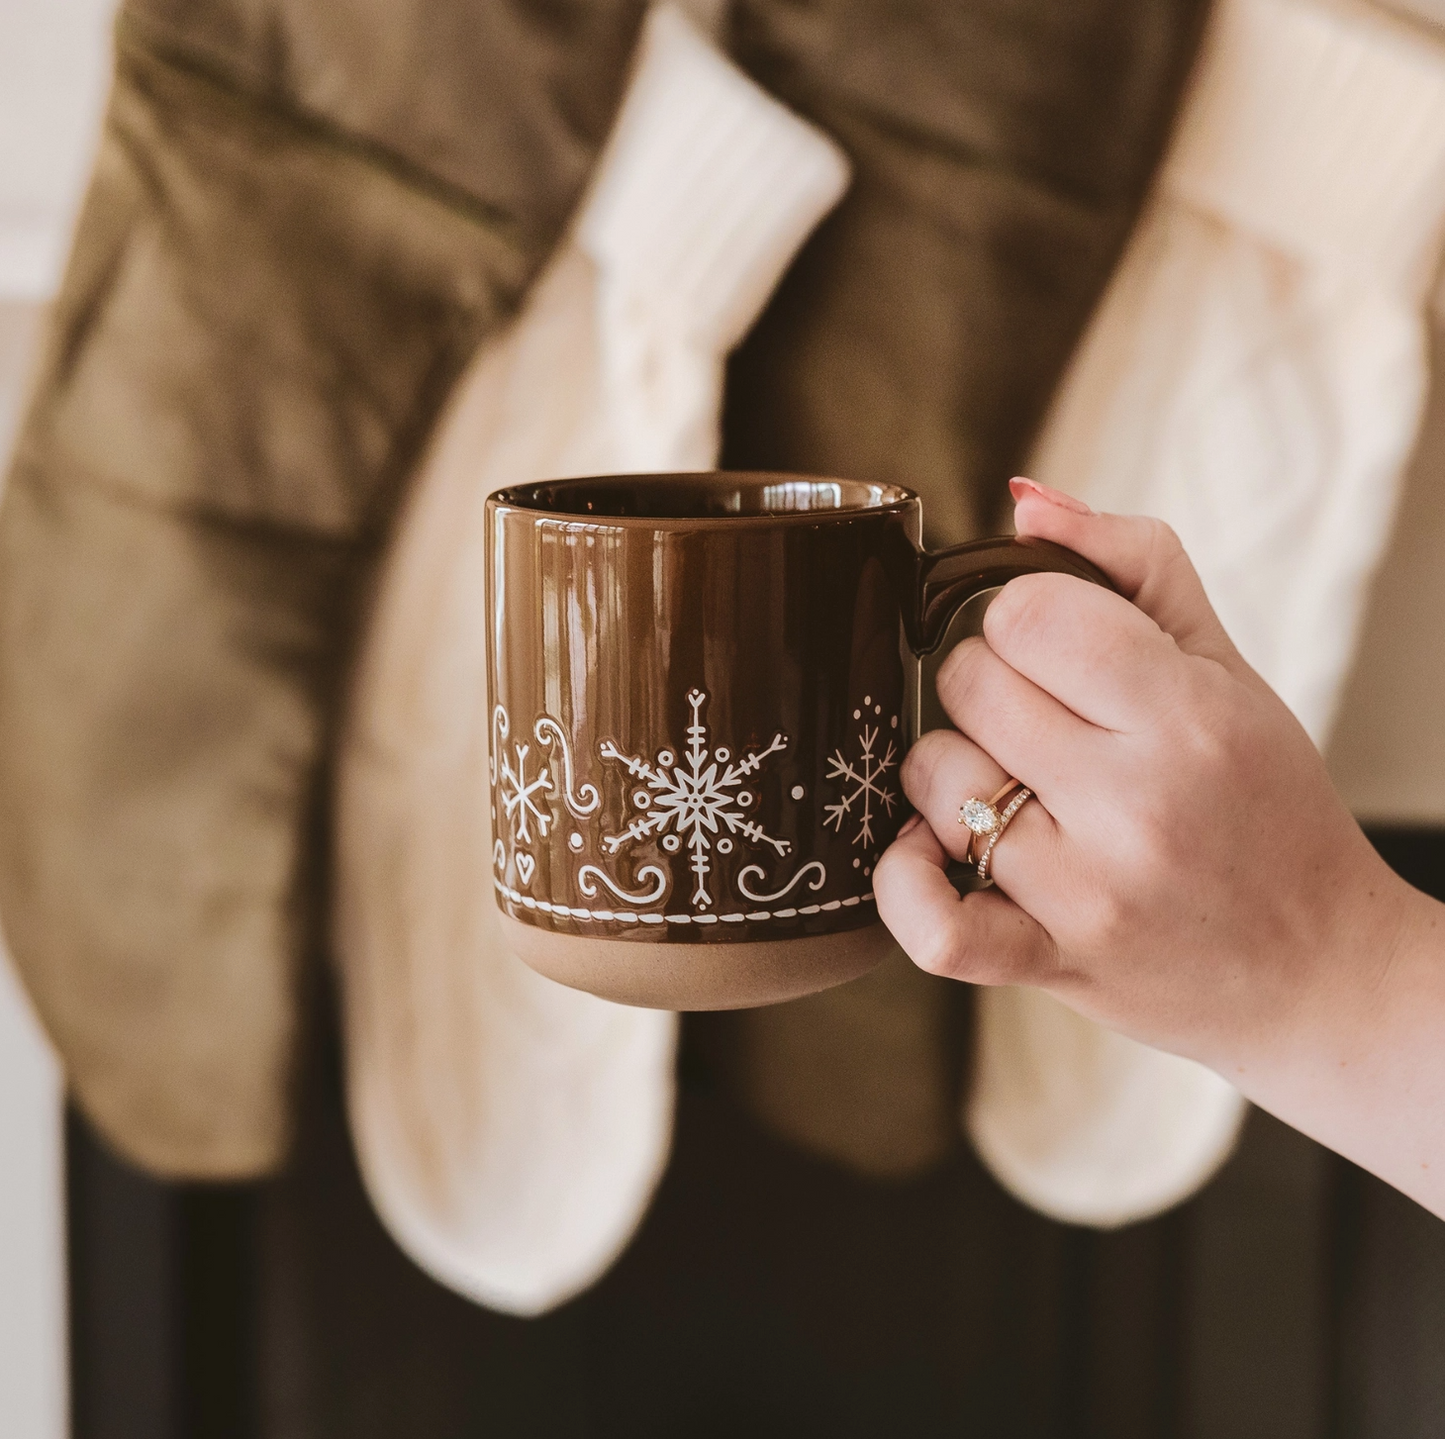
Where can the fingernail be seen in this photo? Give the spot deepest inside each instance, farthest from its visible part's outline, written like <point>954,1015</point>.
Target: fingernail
<point>1019,486</point>
<point>910,824</point>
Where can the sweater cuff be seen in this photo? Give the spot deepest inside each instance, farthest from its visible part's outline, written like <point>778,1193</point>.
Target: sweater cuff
<point>706,188</point>
<point>1321,129</point>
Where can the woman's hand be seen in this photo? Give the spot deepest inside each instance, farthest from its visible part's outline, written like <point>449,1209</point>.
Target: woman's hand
<point>1186,873</point>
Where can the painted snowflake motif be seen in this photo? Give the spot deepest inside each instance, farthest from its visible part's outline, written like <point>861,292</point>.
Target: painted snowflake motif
<point>864,792</point>
<point>520,795</point>
<point>700,801</point>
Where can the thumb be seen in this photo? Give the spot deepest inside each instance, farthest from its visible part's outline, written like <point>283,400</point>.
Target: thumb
<point>983,937</point>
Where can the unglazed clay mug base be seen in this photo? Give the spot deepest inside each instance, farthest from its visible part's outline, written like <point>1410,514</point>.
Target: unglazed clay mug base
<point>703,686</point>
<point>683,976</point>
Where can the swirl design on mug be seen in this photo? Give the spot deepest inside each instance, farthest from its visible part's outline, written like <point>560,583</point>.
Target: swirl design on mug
<point>501,728</point>
<point>651,896</point>
<point>581,802</point>
<point>757,869</point>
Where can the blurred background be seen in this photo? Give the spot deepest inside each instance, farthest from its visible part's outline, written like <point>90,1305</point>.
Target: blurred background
<point>769,1288</point>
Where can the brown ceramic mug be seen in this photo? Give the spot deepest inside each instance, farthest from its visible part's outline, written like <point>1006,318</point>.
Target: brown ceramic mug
<point>702,687</point>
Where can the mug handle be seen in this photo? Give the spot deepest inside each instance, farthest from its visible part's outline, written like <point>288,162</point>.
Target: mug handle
<point>947,579</point>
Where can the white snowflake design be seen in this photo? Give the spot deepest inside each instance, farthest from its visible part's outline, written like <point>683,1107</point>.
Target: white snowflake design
<point>696,800</point>
<point>863,779</point>
<point>519,795</point>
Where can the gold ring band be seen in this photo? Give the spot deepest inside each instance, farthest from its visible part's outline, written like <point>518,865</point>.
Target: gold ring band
<point>983,818</point>
<point>1009,811</point>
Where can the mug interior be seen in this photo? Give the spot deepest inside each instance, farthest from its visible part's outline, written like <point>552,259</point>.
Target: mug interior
<point>701,495</point>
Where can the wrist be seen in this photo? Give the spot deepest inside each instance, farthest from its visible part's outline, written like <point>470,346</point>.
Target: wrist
<point>1353,1058</point>
<point>1321,995</point>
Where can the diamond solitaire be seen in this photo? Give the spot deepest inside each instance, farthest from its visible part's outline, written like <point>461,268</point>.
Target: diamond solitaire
<point>984,821</point>
<point>980,817</point>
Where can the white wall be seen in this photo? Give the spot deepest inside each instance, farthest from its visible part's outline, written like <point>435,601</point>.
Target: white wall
<point>54,65</point>
<point>33,1388</point>
<point>33,1378</point>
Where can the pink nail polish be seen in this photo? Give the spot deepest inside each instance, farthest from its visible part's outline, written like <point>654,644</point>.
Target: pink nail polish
<point>1020,486</point>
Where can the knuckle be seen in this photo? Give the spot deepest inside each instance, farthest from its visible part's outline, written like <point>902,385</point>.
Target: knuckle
<point>1021,612</point>
<point>922,763</point>
<point>1164,553</point>
<point>1160,844</point>
<point>973,950</point>
<point>962,674</point>
<point>1111,921</point>
<point>1161,543</point>
<point>1150,836</point>
<point>942,952</point>
<point>885,879</point>
<point>1218,738</point>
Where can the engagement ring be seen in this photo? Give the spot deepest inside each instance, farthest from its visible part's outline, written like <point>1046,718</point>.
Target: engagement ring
<point>983,818</point>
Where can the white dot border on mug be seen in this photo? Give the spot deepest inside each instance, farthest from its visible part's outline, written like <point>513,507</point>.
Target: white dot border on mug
<point>637,916</point>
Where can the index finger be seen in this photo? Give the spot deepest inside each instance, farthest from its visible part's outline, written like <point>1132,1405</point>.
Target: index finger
<point>1088,647</point>
<point>1142,556</point>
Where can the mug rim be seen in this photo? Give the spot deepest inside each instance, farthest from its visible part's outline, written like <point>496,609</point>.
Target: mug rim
<point>864,498</point>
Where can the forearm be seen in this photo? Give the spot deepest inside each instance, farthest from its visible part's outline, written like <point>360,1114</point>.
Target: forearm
<point>1360,1066</point>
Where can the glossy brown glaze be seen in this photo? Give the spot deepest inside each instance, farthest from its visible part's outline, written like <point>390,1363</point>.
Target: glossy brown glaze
<point>703,686</point>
